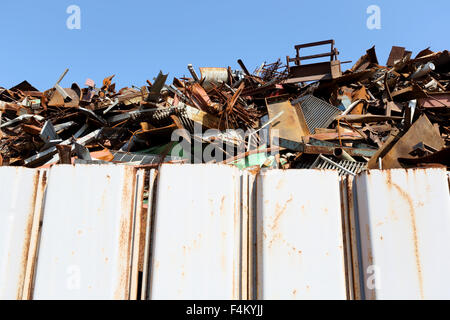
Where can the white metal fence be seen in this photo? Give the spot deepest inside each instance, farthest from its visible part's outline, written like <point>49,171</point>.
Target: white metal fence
<point>214,232</point>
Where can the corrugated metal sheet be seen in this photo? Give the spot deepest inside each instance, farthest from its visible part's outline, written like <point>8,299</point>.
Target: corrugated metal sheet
<point>318,113</point>
<point>404,228</point>
<point>300,251</point>
<point>17,196</point>
<point>85,247</point>
<point>197,233</point>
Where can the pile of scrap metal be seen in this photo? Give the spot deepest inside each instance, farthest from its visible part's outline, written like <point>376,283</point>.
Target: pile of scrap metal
<point>293,115</point>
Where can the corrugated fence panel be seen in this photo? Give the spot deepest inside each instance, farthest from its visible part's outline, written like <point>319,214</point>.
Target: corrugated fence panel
<point>197,233</point>
<point>85,243</point>
<point>300,252</point>
<point>404,222</point>
<point>215,233</point>
<point>17,197</point>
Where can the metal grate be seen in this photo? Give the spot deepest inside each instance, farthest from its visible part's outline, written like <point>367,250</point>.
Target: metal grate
<point>343,167</point>
<point>318,113</point>
<point>141,158</point>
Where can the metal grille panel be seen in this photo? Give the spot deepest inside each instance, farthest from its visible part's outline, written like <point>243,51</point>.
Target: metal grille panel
<point>318,113</point>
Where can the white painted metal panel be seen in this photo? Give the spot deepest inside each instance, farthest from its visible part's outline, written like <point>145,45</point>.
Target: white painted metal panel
<point>299,236</point>
<point>196,240</point>
<point>149,222</point>
<point>404,227</point>
<point>85,246</point>
<point>17,197</point>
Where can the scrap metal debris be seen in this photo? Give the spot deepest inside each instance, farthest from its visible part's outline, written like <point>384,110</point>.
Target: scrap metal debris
<point>312,115</point>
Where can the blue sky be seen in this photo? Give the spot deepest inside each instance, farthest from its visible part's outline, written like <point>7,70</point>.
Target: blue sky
<point>135,39</point>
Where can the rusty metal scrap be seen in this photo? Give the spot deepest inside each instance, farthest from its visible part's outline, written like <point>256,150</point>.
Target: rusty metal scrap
<point>314,71</point>
<point>368,110</point>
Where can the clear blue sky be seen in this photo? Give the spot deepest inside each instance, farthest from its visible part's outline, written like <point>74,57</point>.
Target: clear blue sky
<point>135,39</point>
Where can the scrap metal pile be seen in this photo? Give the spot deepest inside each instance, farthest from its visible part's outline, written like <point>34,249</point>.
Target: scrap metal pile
<point>283,115</point>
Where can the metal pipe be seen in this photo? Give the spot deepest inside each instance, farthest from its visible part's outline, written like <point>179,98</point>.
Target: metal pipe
<point>342,155</point>
<point>352,106</point>
<point>423,70</point>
